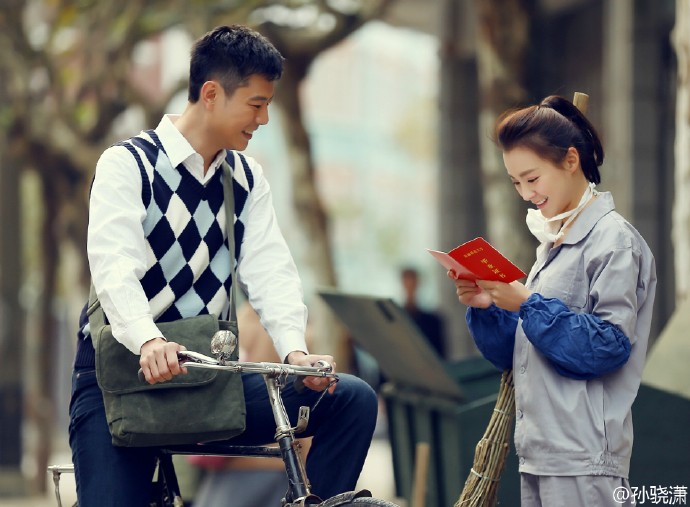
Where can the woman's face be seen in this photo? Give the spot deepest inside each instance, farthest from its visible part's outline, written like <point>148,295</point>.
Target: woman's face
<point>552,188</point>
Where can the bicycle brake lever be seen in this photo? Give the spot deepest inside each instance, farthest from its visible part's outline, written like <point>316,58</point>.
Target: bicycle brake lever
<point>324,365</point>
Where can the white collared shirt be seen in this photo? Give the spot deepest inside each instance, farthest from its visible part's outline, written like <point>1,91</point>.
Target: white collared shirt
<point>116,248</point>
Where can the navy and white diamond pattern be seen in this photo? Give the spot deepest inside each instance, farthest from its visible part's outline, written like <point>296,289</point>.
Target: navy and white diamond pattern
<point>187,258</point>
<point>187,255</point>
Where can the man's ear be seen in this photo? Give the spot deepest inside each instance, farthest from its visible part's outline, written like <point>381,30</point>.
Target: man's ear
<point>571,161</point>
<point>210,91</point>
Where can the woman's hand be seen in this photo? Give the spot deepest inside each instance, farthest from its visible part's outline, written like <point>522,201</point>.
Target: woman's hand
<point>469,293</point>
<point>508,296</point>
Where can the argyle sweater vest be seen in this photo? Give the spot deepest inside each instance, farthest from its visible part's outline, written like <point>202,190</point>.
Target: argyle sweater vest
<point>187,257</point>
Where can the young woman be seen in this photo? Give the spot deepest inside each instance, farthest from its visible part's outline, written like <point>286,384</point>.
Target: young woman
<point>576,333</point>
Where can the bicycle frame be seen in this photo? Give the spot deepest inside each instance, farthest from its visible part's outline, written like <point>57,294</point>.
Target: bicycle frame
<point>275,376</point>
<point>167,493</point>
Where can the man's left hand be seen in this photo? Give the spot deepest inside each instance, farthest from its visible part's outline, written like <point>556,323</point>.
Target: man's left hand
<point>299,358</point>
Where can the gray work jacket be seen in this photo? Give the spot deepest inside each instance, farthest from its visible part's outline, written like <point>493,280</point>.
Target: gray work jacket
<point>584,427</point>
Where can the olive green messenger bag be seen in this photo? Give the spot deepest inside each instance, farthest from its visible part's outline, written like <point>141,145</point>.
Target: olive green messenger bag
<point>200,406</point>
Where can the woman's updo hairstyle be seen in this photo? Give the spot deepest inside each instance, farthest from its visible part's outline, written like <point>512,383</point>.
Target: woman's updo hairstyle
<point>549,129</point>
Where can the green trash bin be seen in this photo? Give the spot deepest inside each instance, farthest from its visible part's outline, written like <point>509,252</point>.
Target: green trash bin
<point>661,445</point>
<point>423,404</point>
<point>451,428</point>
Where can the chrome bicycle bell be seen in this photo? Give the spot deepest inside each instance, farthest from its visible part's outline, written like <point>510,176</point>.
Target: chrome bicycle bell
<point>223,345</point>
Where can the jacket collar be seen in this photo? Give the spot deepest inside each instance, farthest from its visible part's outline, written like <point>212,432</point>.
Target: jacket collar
<point>602,205</point>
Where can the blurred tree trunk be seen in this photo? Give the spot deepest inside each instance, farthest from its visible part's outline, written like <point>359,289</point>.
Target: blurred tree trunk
<point>43,406</point>
<point>327,334</point>
<point>681,205</point>
<point>11,323</point>
<point>300,48</point>
<point>502,42</point>
<point>460,213</point>
<point>484,43</point>
<point>67,73</point>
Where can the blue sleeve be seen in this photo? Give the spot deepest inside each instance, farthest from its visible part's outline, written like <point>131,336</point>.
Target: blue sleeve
<point>580,345</point>
<point>493,330</point>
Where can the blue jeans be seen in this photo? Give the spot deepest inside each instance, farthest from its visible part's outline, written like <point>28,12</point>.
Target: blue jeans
<point>342,426</point>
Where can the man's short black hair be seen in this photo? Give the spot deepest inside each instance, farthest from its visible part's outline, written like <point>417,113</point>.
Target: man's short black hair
<point>230,55</point>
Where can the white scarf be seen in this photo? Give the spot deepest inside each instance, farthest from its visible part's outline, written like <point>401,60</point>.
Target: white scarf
<point>552,229</point>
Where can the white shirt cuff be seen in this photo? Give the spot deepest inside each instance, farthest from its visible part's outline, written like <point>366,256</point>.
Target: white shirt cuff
<point>290,342</point>
<point>139,332</point>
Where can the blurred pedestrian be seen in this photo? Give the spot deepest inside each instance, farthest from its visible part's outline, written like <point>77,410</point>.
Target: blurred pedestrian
<point>430,323</point>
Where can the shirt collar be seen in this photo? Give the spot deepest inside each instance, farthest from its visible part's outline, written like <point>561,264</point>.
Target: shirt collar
<point>179,150</point>
<point>588,218</point>
<point>176,145</point>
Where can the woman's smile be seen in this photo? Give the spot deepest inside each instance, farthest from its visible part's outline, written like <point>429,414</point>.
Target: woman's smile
<point>540,204</point>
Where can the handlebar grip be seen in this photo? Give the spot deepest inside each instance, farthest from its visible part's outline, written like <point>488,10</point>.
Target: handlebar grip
<point>298,383</point>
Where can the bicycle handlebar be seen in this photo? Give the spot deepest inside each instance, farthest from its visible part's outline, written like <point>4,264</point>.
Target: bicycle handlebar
<point>193,359</point>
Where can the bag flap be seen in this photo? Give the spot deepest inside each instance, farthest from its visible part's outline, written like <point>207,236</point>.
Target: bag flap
<point>117,366</point>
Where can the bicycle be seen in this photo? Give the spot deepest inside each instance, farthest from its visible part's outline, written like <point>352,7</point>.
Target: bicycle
<point>165,488</point>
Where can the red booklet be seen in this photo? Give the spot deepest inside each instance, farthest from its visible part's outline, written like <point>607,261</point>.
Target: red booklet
<point>478,260</point>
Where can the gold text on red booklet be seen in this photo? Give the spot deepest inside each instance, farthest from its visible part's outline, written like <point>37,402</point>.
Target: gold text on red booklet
<point>493,269</point>
<point>472,252</point>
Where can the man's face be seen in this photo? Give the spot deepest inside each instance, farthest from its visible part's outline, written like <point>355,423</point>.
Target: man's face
<point>237,116</point>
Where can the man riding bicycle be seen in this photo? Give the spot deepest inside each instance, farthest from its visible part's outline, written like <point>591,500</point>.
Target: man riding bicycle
<point>157,262</point>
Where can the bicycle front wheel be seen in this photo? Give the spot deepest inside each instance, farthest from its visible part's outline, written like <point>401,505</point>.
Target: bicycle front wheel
<point>361,502</point>
<point>350,500</point>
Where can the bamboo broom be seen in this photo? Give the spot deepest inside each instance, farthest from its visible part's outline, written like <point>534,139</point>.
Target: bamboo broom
<point>481,486</point>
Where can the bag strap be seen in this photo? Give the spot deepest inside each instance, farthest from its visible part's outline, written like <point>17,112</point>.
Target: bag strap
<point>94,311</point>
<point>229,194</point>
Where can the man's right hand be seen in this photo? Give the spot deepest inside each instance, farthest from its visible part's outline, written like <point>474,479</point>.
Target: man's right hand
<point>159,360</point>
